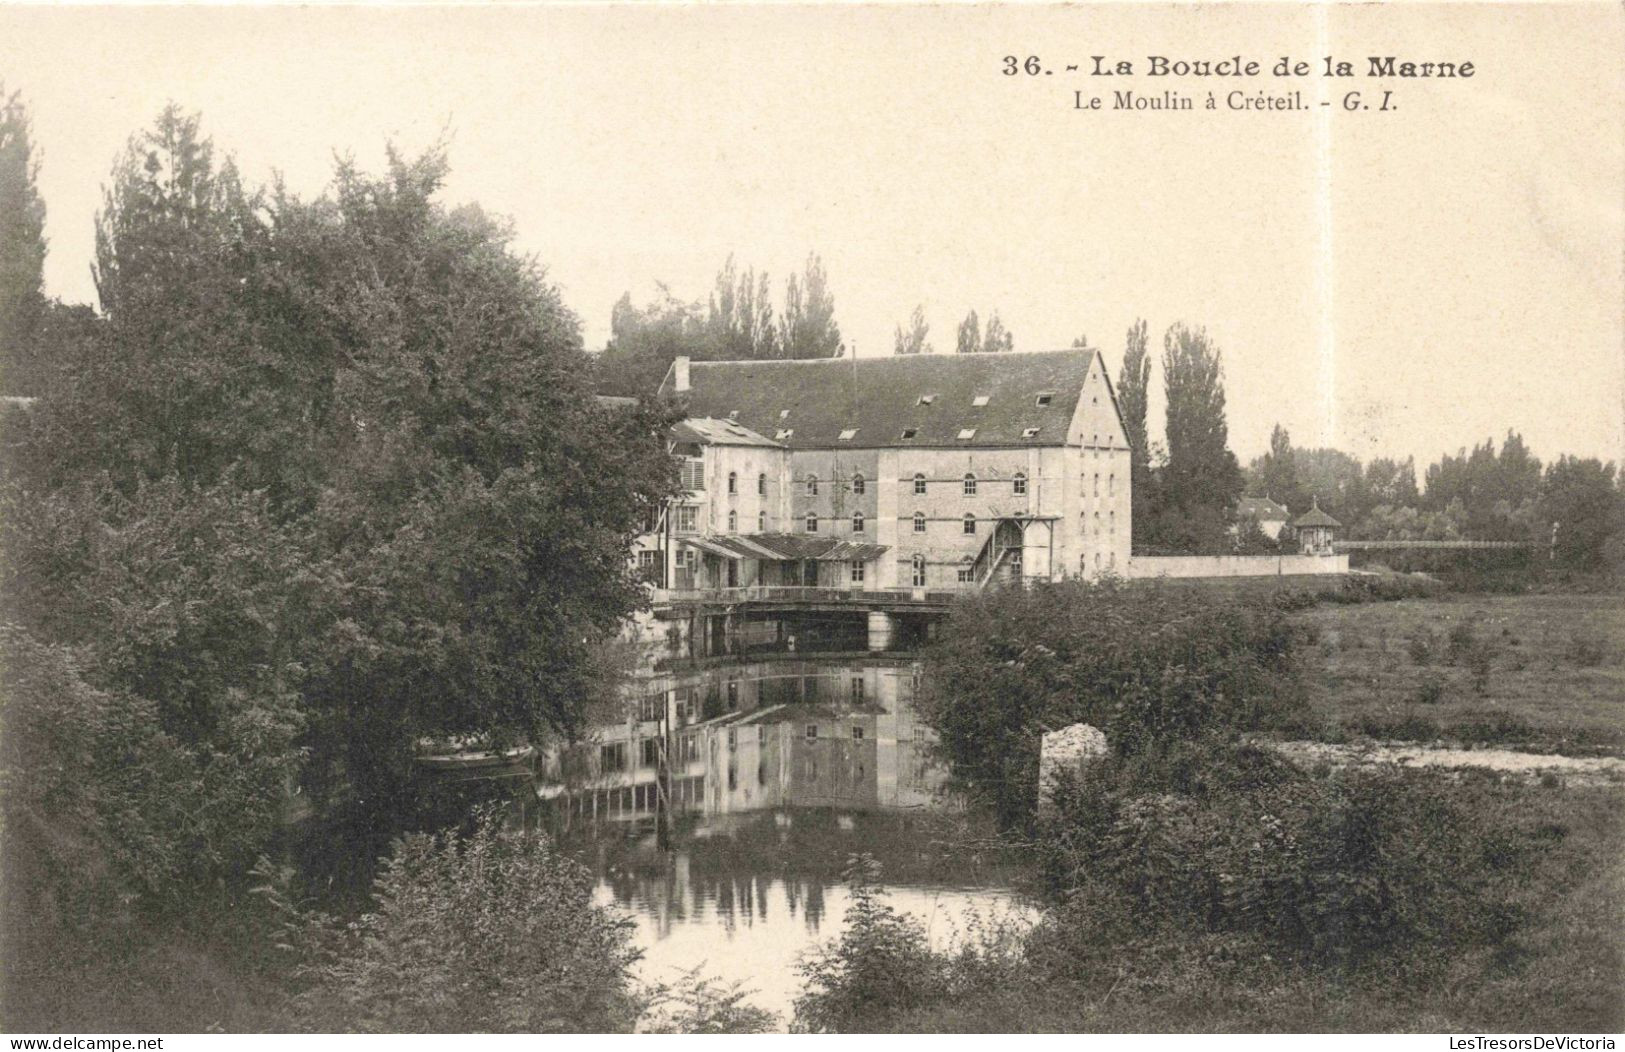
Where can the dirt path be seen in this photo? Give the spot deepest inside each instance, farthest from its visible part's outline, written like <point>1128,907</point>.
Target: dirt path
<point>1576,770</point>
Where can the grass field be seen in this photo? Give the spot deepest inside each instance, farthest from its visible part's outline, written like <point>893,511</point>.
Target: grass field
<point>1538,671</point>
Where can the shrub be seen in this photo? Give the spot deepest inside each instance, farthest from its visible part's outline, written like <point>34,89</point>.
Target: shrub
<point>1459,643</point>
<point>1420,646</point>
<point>697,1004</point>
<point>492,931</point>
<point>1146,665</point>
<point>1587,649</point>
<point>1431,690</point>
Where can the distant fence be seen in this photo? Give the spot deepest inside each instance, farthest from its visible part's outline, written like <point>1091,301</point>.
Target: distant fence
<point>1430,546</point>
<point>1149,567</point>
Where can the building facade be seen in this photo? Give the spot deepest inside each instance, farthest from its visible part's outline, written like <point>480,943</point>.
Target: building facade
<point>920,472</point>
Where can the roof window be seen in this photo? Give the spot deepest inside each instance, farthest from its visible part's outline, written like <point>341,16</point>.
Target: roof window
<point>909,432</point>
<point>733,414</point>
<point>1029,432</point>
<point>783,433</point>
<point>849,434</point>
<point>784,414</point>
<point>927,399</point>
<point>979,401</point>
<point>1045,397</point>
<point>967,433</point>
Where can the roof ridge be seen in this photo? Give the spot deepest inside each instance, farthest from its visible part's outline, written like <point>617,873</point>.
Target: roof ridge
<point>946,356</point>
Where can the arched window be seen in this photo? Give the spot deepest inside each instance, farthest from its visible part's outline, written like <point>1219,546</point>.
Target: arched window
<point>970,524</point>
<point>918,564</point>
<point>919,483</point>
<point>812,523</point>
<point>1097,483</point>
<point>761,484</point>
<point>1111,485</point>
<point>1112,523</point>
<point>1018,485</point>
<point>919,522</point>
<point>733,482</point>
<point>733,522</point>
<point>812,485</point>
<point>857,522</point>
<point>857,483</point>
<point>761,522</point>
<point>1097,524</point>
<point>970,484</point>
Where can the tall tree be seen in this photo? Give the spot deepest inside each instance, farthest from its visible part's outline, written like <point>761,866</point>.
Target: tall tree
<point>1201,480</point>
<point>741,314</point>
<point>1133,385</point>
<point>1581,513</point>
<point>1278,472</point>
<point>914,340</point>
<point>807,328</point>
<point>22,249</point>
<point>996,337</point>
<point>970,335</point>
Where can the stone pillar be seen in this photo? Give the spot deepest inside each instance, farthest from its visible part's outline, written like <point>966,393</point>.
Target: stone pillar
<point>1069,748</point>
<point>880,630</point>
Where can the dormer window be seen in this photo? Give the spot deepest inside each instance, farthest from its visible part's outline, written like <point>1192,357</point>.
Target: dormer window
<point>1045,398</point>
<point>783,433</point>
<point>733,414</point>
<point>1029,432</point>
<point>926,399</point>
<point>967,433</point>
<point>979,401</point>
<point>849,434</point>
<point>909,432</point>
<point>784,414</point>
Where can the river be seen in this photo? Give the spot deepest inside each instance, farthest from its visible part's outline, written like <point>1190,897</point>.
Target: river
<point>779,773</point>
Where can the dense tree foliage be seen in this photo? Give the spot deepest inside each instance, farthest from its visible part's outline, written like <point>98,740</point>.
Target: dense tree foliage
<point>1198,485</point>
<point>915,339</point>
<point>1133,393</point>
<point>22,250</point>
<point>973,338</point>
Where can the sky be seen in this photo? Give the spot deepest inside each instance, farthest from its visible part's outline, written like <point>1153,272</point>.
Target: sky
<point>1394,283</point>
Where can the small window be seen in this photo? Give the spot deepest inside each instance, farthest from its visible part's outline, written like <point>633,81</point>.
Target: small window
<point>964,575</point>
<point>857,571</point>
<point>1097,483</point>
<point>761,522</point>
<point>967,433</point>
<point>927,399</point>
<point>733,522</point>
<point>784,414</point>
<point>919,522</point>
<point>856,693</point>
<point>812,523</point>
<point>849,434</point>
<point>812,731</point>
<point>685,518</point>
<point>1045,398</point>
<point>857,732</point>
<point>783,433</point>
<point>970,485</point>
<point>919,484</point>
<point>857,522</point>
<point>1029,432</point>
<point>909,433</point>
<point>1018,485</point>
<point>978,402</point>
<point>859,484</point>
<point>733,414</point>
<point>970,524</point>
<point>1111,485</point>
<point>761,484</point>
<point>733,482</point>
<point>812,485</point>
<point>918,565</point>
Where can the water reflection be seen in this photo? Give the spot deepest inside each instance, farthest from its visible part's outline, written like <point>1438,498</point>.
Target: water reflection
<point>775,774</point>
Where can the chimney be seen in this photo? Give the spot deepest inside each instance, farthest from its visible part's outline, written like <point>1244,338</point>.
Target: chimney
<point>680,374</point>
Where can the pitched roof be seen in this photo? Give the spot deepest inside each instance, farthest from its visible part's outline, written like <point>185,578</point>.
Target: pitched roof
<point>1261,508</point>
<point>1315,517</point>
<point>712,432</point>
<point>813,403</point>
<point>786,546</point>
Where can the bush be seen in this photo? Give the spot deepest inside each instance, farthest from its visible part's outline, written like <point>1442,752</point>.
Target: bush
<point>1420,646</point>
<point>698,1004</point>
<point>1587,649</point>
<point>1431,690</point>
<point>492,931</point>
<point>1459,643</point>
<point>1146,665</point>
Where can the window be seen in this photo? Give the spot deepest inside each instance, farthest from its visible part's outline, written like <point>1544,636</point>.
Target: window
<point>857,732</point>
<point>970,485</point>
<point>927,399</point>
<point>1097,560</point>
<point>978,402</point>
<point>733,694</point>
<point>733,738</point>
<point>650,748</point>
<point>967,433</point>
<point>812,485</point>
<point>857,689</point>
<point>812,732</point>
<point>761,522</point>
<point>857,571</point>
<point>649,565</point>
<point>693,473</point>
<point>1018,485</point>
<point>908,433</point>
<point>919,484</point>
<point>733,482</point>
<point>849,434</point>
<point>1029,432</point>
<point>964,575</point>
<point>1112,523</point>
<point>970,524</point>
<point>812,523</point>
<point>733,522</point>
<point>857,522</point>
<point>918,565</point>
<point>858,483</point>
<point>685,518</point>
<point>919,522</point>
<point>1097,483</point>
<point>612,757</point>
<point>784,414</point>
<point>1111,485</point>
<point>733,414</point>
<point>783,433</point>
<point>1045,398</point>
<point>761,484</point>
<point>1097,524</point>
